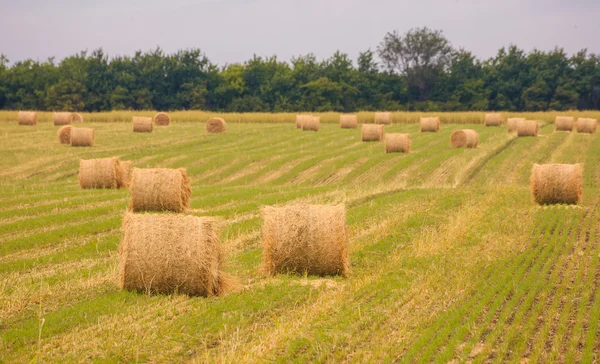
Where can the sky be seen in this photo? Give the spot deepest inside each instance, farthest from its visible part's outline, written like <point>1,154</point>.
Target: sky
<point>230,31</point>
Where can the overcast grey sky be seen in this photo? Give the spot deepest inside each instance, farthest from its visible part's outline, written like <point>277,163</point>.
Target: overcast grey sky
<point>233,30</point>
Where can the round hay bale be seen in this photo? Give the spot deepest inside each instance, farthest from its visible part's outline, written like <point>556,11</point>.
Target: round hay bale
<point>431,124</point>
<point>62,118</point>
<point>312,123</point>
<point>126,171</point>
<point>27,117</point>
<point>300,119</point>
<point>99,173</point>
<point>348,121</point>
<point>465,138</point>
<point>383,118</point>
<point>371,132</point>
<point>556,183</point>
<point>511,123</point>
<point>528,128</point>
<point>141,124</point>
<point>493,119</point>
<point>159,189</point>
<point>82,137</point>
<point>586,125</point>
<point>77,118</point>
<point>396,142</point>
<point>64,134</point>
<point>305,239</point>
<point>166,253</point>
<point>162,119</point>
<point>216,125</point>
<point>564,123</point>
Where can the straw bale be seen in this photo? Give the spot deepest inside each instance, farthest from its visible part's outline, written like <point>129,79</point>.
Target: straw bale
<point>82,137</point>
<point>511,123</point>
<point>216,125</point>
<point>27,117</point>
<point>159,189</point>
<point>396,142</point>
<point>311,123</point>
<point>564,123</point>
<point>99,173</point>
<point>528,128</point>
<point>126,172</point>
<point>556,183</point>
<point>465,138</point>
<point>383,118</point>
<point>64,134</point>
<point>493,119</point>
<point>300,119</point>
<point>77,118</point>
<point>371,132</point>
<point>62,118</point>
<point>162,119</point>
<point>429,124</point>
<point>348,121</point>
<point>586,125</point>
<point>142,124</point>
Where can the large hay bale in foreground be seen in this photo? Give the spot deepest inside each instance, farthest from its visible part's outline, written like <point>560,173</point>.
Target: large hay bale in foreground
<point>159,189</point>
<point>383,118</point>
<point>64,134</point>
<point>348,121</point>
<point>312,123</point>
<point>62,118</point>
<point>465,138</point>
<point>162,119</point>
<point>126,174</point>
<point>511,123</point>
<point>27,117</point>
<point>216,125</point>
<point>493,119</point>
<point>371,132</point>
<point>166,253</point>
<point>77,118</point>
<point>100,173</point>
<point>556,183</point>
<point>141,124</point>
<point>586,125</point>
<point>430,124</point>
<point>82,137</point>
<point>564,123</point>
<point>309,239</point>
<point>397,143</point>
<point>528,128</point>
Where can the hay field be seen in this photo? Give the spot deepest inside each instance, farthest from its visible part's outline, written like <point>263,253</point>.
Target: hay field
<point>450,259</point>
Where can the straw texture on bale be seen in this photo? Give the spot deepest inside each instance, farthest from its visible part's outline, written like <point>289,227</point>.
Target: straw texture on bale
<point>564,123</point>
<point>397,143</point>
<point>142,124</point>
<point>82,137</point>
<point>77,118</point>
<point>216,125</point>
<point>348,121</point>
<point>27,117</point>
<point>383,118</point>
<point>528,128</point>
<point>493,119</point>
<point>309,239</point>
<point>465,138</point>
<point>62,118</point>
<point>100,173</point>
<point>64,134</point>
<point>126,171</point>
<point>300,119</point>
<point>371,132</point>
<point>429,124</point>
<point>162,119</point>
<point>312,123</point>
<point>166,253</point>
<point>586,125</point>
<point>159,189</point>
<point>511,123</point>
<point>556,183</point>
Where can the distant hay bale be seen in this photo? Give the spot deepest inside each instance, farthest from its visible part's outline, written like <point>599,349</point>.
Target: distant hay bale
<point>62,118</point>
<point>564,123</point>
<point>166,253</point>
<point>465,138</point>
<point>77,118</point>
<point>431,124</point>
<point>300,119</point>
<point>82,137</point>
<point>64,134</point>
<point>383,118</point>
<point>371,132</point>
<point>99,173</point>
<point>396,142</point>
<point>126,171</point>
<point>556,183</point>
<point>528,128</point>
<point>159,189</point>
<point>142,124</point>
<point>27,117</point>
<point>312,123</point>
<point>309,239</point>
<point>511,123</point>
<point>162,119</point>
<point>586,125</point>
<point>493,119</point>
<point>216,125</point>
<point>348,121</point>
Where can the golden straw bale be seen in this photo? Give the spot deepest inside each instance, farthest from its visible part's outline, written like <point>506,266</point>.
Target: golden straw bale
<point>511,123</point>
<point>142,124</point>
<point>564,123</point>
<point>99,173</point>
<point>312,123</point>
<point>216,125</point>
<point>171,253</point>
<point>429,124</point>
<point>309,239</point>
<point>556,183</point>
<point>62,118</point>
<point>126,172</point>
<point>27,117</point>
<point>493,119</point>
<point>159,189</point>
<point>396,142</point>
<point>82,137</point>
<point>586,125</point>
<point>64,134</point>
<point>77,118</point>
<point>348,121</point>
<point>465,138</point>
<point>371,132</point>
<point>383,118</point>
<point>162,119</point>
<point>528,128</point>
<point>300,119</point>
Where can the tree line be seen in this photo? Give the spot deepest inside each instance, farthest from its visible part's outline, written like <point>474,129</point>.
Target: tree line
<point>415,71</point>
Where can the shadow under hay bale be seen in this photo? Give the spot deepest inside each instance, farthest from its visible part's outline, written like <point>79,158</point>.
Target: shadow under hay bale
<point>166,253</point>
<point>62,118</point>
<point>430,124</point>
<point>159,189</point>
<point>64,134</point>
<point>493,119</point>
<point>126,173</point>
<point>586,125</point>
<point>527,128</point>
<point>82,137</point>
<point>348,121</point>
<point>383,118</point>
<point>77,118</point>
<point>27,117</point>
<point>371,132</point>
<point>397,143</point>
<point>556,183</point>
<point>511,123</point>
<point>311,123</point>
<point>99,173</point>
<point>141,124</point>
<point>564,123</point>
<point>465,138</point>
<point>309,239</point>
<point>162,119</point>
<point>216,125</point>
